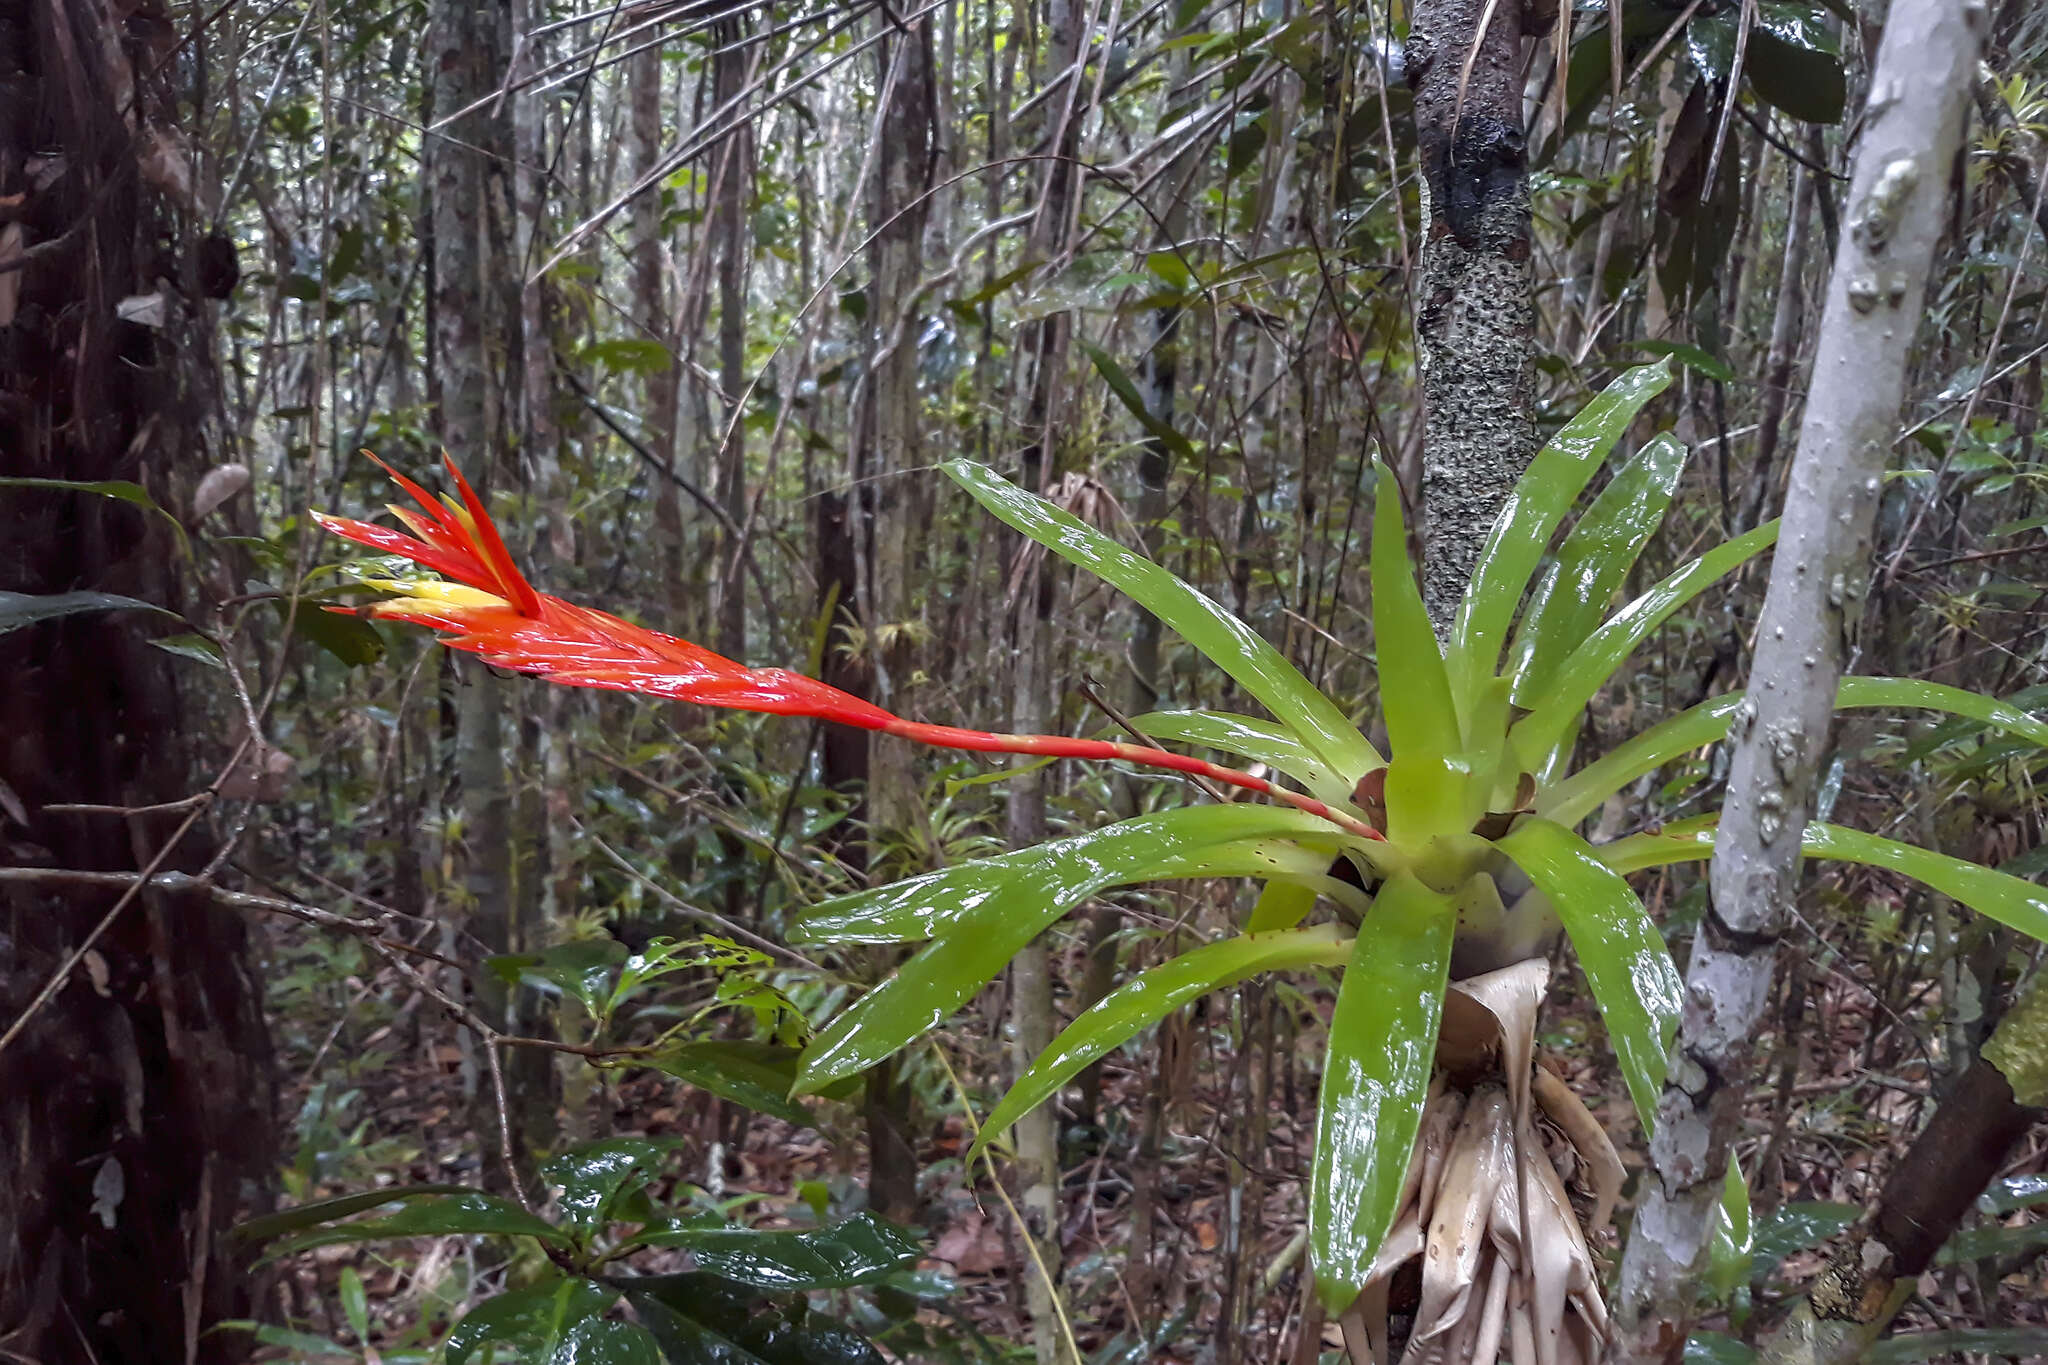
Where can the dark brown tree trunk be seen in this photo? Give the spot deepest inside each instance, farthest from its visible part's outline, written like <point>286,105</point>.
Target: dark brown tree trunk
<point>137,1101</point>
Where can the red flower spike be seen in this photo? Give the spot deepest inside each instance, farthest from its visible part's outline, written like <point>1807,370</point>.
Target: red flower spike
<point>490,610</point>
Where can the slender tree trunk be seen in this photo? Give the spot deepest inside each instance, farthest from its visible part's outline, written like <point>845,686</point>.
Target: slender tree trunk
<point>1812,613</point>
<point>137,1103</point>
<point>1786,335</point>
<point>734,180</point>
<point>1475,322</point>
<point>658,324</point>
<point>466,57</point>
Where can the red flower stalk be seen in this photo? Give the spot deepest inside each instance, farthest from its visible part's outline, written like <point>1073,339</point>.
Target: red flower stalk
<point>484,605</point>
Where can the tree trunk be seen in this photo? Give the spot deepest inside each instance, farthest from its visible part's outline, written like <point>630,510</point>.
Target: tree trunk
<point>471,245</point>
<point>1475,321</point>
<point>658,324</point>
<point>138,1101</point>
<point>733,180</point>
<point>1812,611</point>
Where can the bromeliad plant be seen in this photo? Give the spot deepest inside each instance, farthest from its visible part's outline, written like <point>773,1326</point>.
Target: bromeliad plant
<point>1463,836</point>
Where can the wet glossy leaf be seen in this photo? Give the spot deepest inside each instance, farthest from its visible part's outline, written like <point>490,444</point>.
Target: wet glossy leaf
<point>1229,643</point>
<point>1573,799</point>
<point>121,490</point>
<point>1695,358</point>
<point>701,1320</point>
<point>1791,61</point>
<point>1622,952</point>
<point>1538,504</point>
<point>756,1075</point>
<point>1992,1241</point>
<point>18,609</point>
<point>530,1320</point>
<point>2013,902</point>
<point>1716,1348</point>
<point>582,969</point>
<point>1149,997</point>
<point>471,1213</point>
<point>197,648</point>
<point>1415,691</point>
<point>600,1341</point>
<point>1263,741</point>
<point>861,1249</point>
<point>1185,841</point>
<point>1591,566</point>
<point>2014,1192</point>
<point>1795,1227</point>
<point>991,919</point>
<point>1587,668</point>
<point>1382,1048</point>
<point>594,1179</point>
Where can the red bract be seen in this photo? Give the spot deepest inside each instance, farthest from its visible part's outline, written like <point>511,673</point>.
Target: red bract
<point>487,607</point>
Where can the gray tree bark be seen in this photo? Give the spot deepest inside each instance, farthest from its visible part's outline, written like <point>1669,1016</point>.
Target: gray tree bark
<point>1475,316</point>
<point>1811,613</point>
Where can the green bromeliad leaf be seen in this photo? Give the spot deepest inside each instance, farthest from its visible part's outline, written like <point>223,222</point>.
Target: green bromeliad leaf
<point>2012,901</point>
<point>1541,737</point>
<point>1152,995</point>
<point>1623,953</point>
<point>1229,643</point>
<point>1574,798</point>
<point>1382,1049</point>
<point>1219,841</point>
<point>1538,504</point>
<point>1415,692</point>
<point>1262,741</point>
<point>995,907</point>
<point>1592,564</point>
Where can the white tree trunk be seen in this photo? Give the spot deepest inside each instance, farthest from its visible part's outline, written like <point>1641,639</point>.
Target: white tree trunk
<point>1811,613</point>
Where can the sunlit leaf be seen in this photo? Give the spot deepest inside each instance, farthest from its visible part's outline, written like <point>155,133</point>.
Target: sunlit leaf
<point>1263,741</point>
<point>1375,1076</point>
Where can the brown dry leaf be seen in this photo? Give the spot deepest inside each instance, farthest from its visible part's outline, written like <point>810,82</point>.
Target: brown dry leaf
<point>1206,1236</point>
<point>974,1246</point>
<point>1603,1164</point>
<point>1478,1160</point>
<point>12,240</point>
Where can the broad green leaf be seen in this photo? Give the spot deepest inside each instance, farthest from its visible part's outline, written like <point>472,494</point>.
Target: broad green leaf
<point>470,1214</point>
<point>531,1320</point>
<point>1248,737</point>
<point>352,639</point>
<point>582,969</point>
<point>703,1320</point>
<point>997,915</point>
<point>594,1179</point>
<point>341,1206</point>
<point>1716,1348</point>
<point>1573,799</point>
<point>121,490</point>
<point>1149,997</point>
<point>1799,1226</point>
<point>18,609</point>
<point>1696,358</point>
<point>756,1075</point>
<point>1235,840</point>
<point>1587,668</point>
<point>1415,691</point>
<point>2013,902</point>
<point>1990,1241</point>
<point>1375,1076</point>
<point>1538,503</point>
<point>1127,393</point>
<point>1281,905</point>
<point>2013,1193</point>
<point>190,646</point>
<point>601,1341</point>
<point>355,1304</point>
<point>1728,1250</point>
<point>861,1249</point>
<point>1229,643</point>
<point>1622,952</point>
<point>1592,564</point>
